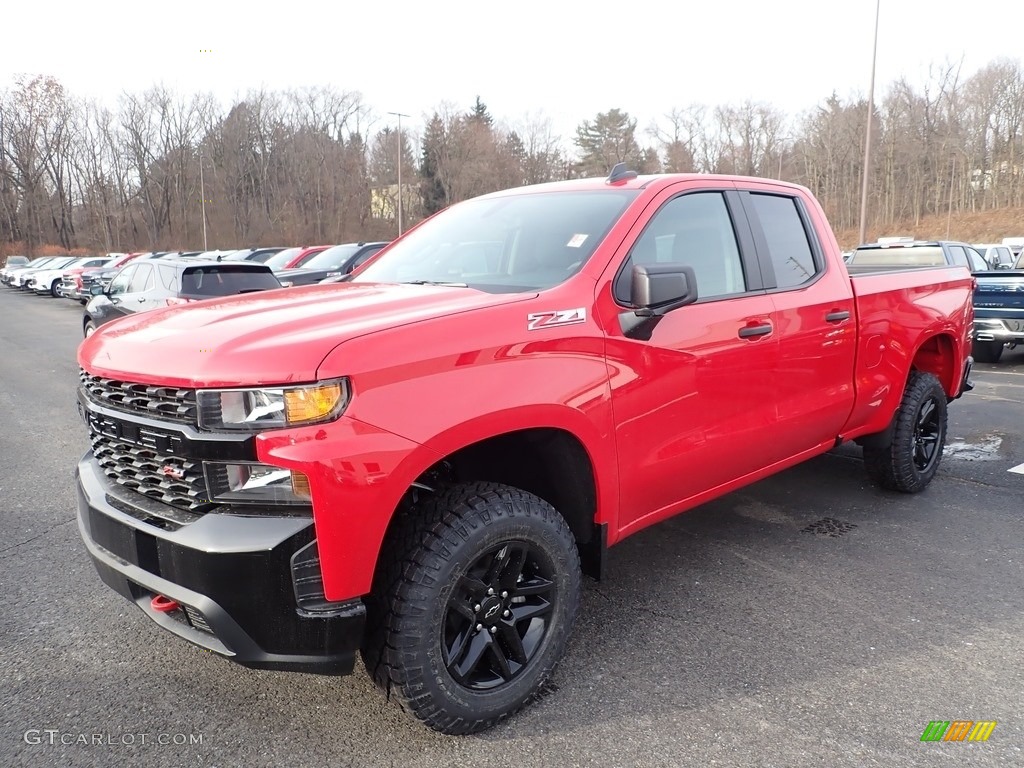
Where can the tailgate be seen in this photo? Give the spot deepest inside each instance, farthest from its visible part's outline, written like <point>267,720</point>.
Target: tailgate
<point>1000,295</point>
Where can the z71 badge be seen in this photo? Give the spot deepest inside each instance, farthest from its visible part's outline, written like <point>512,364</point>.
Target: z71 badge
<point>537,320</point>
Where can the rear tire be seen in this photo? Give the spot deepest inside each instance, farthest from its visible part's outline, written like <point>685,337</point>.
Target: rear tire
<point>987,351</point>
<point>909,462</point>
<point>472,605</point>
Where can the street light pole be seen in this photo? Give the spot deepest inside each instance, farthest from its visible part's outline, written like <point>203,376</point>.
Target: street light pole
<point>867,132</point>
<point>399,115</point>
<point>202,193</point>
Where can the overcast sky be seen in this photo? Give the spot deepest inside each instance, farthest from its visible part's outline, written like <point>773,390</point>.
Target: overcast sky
<point>567,58</point>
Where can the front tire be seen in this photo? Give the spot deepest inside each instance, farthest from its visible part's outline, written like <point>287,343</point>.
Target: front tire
<point>472,605</point>
<point>89,328</point>
<point>54,289</point>
<point>909,462</point>
<point>987,351</point>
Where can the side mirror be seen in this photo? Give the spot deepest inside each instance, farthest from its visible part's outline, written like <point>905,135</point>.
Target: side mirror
<point>95,290</point>
<point>660,288</point>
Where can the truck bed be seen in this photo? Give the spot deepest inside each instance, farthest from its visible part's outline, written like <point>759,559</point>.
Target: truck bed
<point>895,308</point>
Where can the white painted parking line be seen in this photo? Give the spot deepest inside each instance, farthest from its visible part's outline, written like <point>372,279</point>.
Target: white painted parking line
<point>1019,469</point>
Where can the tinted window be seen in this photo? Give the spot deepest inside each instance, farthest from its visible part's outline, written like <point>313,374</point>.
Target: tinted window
<point>168,277</point>
<point>279,259</point>
<point>225,280</point>
<point>788,247</point>
<point>121,280</point>
<point>543,238</point>
<point>693,231</point>
<point>978,264</point>
<point>142,280</point>
<point>332,258</point>
<point>362,258</point>
<point>958,256</point>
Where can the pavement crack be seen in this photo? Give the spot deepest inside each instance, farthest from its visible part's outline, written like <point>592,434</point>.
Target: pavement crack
<point>34,538</point>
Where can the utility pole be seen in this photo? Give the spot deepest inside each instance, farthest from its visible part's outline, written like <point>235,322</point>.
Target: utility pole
<point>202,192</point>
<point>867,132</point>
<point>399,115</point>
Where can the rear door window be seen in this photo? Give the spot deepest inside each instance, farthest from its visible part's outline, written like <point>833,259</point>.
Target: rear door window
<point>958,256</point>
<point>789,249</point>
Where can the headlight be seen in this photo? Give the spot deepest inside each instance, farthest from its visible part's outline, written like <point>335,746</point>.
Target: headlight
<point>252,483</point>
<point>251,410</point>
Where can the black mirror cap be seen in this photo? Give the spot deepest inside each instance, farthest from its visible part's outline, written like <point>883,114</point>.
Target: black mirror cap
<point>660,288</point>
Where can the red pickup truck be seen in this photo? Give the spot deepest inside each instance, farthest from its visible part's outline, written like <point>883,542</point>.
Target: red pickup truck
<point>420,463</point>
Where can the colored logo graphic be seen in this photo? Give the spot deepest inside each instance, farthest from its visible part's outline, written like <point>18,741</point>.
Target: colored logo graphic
<point>958,730</point>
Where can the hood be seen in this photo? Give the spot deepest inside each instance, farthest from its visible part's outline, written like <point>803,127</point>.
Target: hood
<point>269,337</point>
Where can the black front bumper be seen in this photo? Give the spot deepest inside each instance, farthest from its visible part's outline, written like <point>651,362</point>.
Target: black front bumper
<point>231,575</point>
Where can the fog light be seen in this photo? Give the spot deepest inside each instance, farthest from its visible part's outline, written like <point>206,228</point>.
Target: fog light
<point>254,483</point>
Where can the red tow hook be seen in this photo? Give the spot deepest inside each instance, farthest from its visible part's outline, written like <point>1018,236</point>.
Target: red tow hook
<point>163,604</point>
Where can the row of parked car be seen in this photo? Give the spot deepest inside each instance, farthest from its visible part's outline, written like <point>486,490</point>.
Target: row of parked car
<point>118,284</point>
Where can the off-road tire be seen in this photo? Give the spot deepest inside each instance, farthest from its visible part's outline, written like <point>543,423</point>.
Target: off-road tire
<point>987,351</point>
<point>426,552</point>
<point>897,466</point>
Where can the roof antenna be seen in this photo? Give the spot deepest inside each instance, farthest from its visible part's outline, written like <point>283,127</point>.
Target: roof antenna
<point>620,173</point>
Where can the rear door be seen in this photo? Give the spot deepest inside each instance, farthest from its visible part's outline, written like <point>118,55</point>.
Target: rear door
<point>812,390</point>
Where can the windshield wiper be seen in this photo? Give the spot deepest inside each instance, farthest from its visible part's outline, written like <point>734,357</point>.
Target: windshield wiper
<point>435,282</point>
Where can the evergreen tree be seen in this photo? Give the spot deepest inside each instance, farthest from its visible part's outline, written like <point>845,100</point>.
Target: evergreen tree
<point>431,186</point>
<point>479,114</point>
<point>609,139</point>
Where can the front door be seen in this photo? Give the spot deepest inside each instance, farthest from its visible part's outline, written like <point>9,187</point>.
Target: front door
<point>691,391</point>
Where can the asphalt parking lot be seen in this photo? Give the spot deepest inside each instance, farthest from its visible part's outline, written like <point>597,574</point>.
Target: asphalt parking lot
<point>808,620</point>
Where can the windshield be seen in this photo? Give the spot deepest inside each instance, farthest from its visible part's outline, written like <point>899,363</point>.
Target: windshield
<point>331,258</point>
<point>524,242</point>
<point>279,259</point>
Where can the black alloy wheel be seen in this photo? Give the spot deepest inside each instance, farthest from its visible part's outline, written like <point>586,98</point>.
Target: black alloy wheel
<point>927,431</point>
<point>497,615</point>
<point>472,605</point>
<point>909,457</point>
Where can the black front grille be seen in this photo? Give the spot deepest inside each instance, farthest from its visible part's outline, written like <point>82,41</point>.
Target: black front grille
<point>160,476</point>
<point>170,403</point>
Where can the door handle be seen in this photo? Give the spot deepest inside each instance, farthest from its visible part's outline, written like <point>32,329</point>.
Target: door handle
<point>753,331</point>
<point>142,299</point>
<point>837,316</point>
